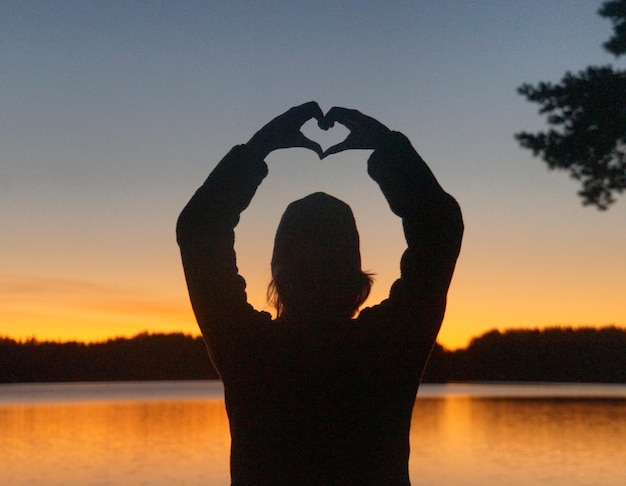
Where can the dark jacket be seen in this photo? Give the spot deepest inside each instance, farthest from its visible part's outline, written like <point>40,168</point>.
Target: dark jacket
<point>313,402</point>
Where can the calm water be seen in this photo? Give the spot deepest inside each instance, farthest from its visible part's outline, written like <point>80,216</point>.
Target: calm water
<point>177,433</point>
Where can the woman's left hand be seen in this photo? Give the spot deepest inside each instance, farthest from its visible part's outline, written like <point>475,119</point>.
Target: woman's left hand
<point>284,131</point>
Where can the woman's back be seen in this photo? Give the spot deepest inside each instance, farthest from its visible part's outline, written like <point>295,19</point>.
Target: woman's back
<point>315,397</point>
<point>333,407</point>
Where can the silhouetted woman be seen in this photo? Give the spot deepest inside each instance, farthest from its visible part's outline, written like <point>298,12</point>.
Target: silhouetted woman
<point>316,396</point>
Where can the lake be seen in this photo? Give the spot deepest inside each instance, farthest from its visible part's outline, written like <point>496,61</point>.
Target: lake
<point>176,433</point>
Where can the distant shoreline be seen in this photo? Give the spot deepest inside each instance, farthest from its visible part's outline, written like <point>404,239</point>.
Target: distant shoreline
<point>555,355</point>
<point>128,391</point>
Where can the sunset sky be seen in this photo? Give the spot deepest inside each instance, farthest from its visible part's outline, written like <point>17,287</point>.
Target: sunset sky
<point>113,113</point>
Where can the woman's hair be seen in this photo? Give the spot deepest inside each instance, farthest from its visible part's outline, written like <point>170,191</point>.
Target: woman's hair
<point>345,301</point>
<point>316,264</point>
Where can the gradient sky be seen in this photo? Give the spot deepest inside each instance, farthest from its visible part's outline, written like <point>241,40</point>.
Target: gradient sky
<point>113,113</point>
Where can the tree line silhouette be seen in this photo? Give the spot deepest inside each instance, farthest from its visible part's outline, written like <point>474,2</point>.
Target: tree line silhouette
<point>143,357</point>
<point>557,354</point>
<point>560,354</point>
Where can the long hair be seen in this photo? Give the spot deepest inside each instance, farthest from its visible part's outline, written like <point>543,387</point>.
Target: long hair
<point>316,262</point>
<point>354,294</point>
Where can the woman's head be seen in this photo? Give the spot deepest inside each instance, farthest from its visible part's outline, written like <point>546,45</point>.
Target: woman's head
<point>316,264</point>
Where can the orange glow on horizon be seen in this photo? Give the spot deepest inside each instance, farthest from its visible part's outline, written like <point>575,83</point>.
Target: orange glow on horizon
<point>66,310</point>
<point>62,310</point>
<point>480,299</point>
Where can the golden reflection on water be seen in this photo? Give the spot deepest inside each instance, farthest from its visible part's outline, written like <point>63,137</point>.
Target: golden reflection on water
<point>154,442</point>
<point>521,441</point>
<point>454,440</point>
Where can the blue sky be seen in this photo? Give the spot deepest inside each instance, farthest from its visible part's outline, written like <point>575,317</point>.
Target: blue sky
<point>114,112</point>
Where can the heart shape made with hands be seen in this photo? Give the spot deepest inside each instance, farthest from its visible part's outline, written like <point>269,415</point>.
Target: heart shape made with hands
<point>326,138</point>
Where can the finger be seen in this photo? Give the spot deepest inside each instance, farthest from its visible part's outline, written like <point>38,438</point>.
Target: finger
<point>303,113</point>
<point>355,121</point>
<point>348,118</point>
<point>305,142</point>
<point>324,124</point>
<point>335,149</point>
<point>317,112</point>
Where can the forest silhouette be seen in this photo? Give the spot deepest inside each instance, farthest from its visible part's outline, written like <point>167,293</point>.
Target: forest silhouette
<point>559,354</point>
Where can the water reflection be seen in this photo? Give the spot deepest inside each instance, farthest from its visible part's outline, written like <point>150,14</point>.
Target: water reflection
<point>456,439</point>
<point>521,441</point>
<point>155,442</point>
